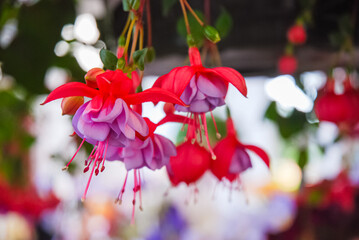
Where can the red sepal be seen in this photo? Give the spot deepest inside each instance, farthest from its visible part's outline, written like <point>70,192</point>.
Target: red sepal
<point>153,95</point>
<point>69,90</point>
<point>231,76</point>
<point>260,152</point>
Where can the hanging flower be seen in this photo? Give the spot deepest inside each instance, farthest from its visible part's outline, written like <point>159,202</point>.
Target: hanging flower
<point>202,89</point>
<point>190,163</point>
<point>338,108</point>
<point>297,34</point>
<point>232,156</point>
<point>153,152</point>
<point>287,64</point>
<point>107,120</point>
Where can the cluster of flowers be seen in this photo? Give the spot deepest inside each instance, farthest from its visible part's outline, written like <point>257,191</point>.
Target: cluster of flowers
<point>112,119</point>
<point>338,108</point>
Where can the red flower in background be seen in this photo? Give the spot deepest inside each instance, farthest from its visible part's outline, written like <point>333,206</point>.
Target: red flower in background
<point>297,34</point>
<point>232,157</point>
<point>191,162</point>
<point>287,64</point>
<point>340,109</point>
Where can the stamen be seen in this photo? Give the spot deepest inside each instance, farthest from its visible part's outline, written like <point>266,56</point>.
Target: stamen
<point>104,157</point>
<point>207,138</point>
<point>134,196</point>
<point>218,135</point>
<point>78,149</point>
<point>119,197</point>
<point>88,182</point>
<point>140,191</point>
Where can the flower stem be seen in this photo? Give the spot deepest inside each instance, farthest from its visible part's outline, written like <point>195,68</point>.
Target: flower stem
<point>126,26</point>
<point>149,24</point>
<point>134,41</point>
<point>193,13</point>
<point>185,16</point>
<point>129,35</point>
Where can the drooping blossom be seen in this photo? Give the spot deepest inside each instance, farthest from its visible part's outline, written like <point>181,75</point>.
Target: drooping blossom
<point>338,108</point>
<point>190,163</point>
<point>297,34</point>
<point>107,121</point>
<point>287,64</point>
<point>232,156</point>
<point>202,89</point>
<point>153,152</point>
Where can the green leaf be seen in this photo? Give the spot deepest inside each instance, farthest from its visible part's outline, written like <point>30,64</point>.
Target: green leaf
<point>196,28</point>
<point>224,23</point>
<point>109,59</point>
<point>303,158</point>
<point>135,4</point>
<point>287,126</point>
<point>151,54</point>
<point>126,5</point>
<point>166,6</point>
<point>139,58</point>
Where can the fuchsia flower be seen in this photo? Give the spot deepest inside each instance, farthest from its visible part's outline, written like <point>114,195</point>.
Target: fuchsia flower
<point>190,163</point>
<point>202,89</point>
<point>232,157</point>
<point>153,152</point>
<point>107,121</point>
<point>338,108</point>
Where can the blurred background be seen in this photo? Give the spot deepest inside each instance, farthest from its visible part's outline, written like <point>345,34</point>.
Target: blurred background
<point>310,191</point>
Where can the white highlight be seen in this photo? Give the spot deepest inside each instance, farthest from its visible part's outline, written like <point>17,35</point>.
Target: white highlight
<point>87,56</point>
<point>85,29</point>
<point>283,90</point>
<point>55,77</point>
<point>61,48</point>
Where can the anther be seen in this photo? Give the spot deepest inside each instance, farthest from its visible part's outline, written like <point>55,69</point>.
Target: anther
<point>65,168</point>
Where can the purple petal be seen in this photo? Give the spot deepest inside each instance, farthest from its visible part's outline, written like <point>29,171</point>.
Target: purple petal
<point>135,161</point>
<point>200,106</point>
<point>240,161</point>
<point>137,123</point>
<point>114,153</point>
<point>110,113</point>
<point>213,87</point>
<point>97,131</point>
<point>190,91</point>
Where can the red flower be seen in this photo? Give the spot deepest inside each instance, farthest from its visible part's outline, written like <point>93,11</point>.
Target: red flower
<point>338,108</point>
<point>287,64</point>
<point>232,156</point>
<point>191,162</point>
<point>201,88</point>
<point>297,34</point>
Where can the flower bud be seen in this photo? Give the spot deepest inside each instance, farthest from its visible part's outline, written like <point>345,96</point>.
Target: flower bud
<point>91,75</point>
<point>211,34</point>
<point>69,105</point>
<point>169,108</point>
